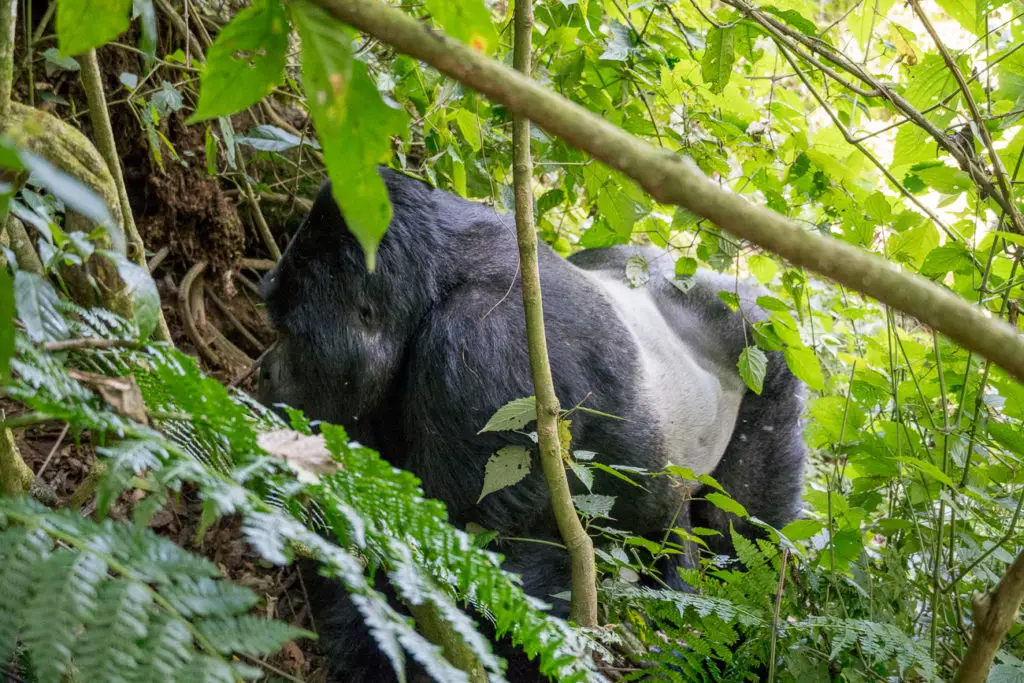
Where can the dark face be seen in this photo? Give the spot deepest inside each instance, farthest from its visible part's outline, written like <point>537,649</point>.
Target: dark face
<point>342,331</point>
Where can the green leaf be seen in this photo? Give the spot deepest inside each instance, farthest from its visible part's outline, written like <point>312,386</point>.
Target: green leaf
<point>75,194</point>
<point>686,267</point>
<point>950,257</point>
<point>594,505</point>
<point>716,67</point>
<point>969,13</point>
<point>146,13</point>
<point>352,121</point>
<point>31,295</point>
<point>724,502</point>
<point>803,362</point>
<point>142,291</point>
<point>512,416</point>
<point>245,63</point>
<point>249,634</point>
<point>507,467</point>
<point>753,365</point>
<point>469,124</point>
<point>467,21</point>
<point>85,24</point>
<point>763,268</point>
<point>878,208</point>
<point>802,529</point>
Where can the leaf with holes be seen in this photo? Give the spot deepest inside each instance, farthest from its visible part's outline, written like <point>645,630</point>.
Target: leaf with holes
<point>507,467</point>
<point>245,63</point>
<point>512,416</point>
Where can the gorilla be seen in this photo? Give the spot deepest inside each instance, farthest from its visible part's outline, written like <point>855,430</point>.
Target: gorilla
<point>415,357</point>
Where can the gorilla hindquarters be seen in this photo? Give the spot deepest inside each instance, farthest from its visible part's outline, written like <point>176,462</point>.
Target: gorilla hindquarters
<point>414,358</point>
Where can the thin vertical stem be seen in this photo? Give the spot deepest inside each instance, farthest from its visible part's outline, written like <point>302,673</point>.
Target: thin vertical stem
<point>583,603</point>
<point>8,20</point>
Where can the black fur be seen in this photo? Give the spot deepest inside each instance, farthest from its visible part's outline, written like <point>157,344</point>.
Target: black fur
<point>414,358</point>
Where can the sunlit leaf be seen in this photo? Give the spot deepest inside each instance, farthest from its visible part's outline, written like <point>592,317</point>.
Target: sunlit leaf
<point>353,123</point>
<point>85,24</point>
<point>245,63</point>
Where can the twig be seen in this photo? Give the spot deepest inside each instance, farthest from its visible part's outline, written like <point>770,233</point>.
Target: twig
<point>583,600</point>
<point>252,368</point>
<point>671,179</point>
<point>997,162</point>
<point>92,343</point>
<point>53,451</point>
<point>261,222</point>
<point>258,264</point>
<point>104,134</point>
<point>994,614</point>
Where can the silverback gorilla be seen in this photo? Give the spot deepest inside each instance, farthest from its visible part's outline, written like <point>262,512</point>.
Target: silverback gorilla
<point>414,358</point>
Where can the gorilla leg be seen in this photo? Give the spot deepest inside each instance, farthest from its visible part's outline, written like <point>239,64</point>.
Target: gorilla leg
<point>763,465</point>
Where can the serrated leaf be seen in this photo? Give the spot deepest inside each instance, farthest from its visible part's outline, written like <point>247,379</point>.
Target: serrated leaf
<point>753,365</point>
<point>352,121</point>
<point>205,597</point>
<point>686,267</point>
<point>507,467</point>
<point>802,529</point>
<point>724,502</point>
<point>85,24</point>
<point>594,505</point>
<point>512,416</point>
<point>950,257</point>
<point>719,56</point>
<point>467,21</point>
<point>245,63</point>
<point>803,362</point>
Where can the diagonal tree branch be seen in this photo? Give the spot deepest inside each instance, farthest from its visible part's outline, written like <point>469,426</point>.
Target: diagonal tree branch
<point>674,180</point>
<point>994,614</point>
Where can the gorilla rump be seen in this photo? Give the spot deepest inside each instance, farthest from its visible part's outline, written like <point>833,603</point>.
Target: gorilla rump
<point>414,358</point>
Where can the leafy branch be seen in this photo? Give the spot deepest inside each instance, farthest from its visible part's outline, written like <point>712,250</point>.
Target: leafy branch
<point>673,180</point>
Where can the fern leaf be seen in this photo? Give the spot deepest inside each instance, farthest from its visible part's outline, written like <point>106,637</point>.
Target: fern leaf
<point>108,650</point>
<point>205,597</point>
<point>167,650</point>
<point>249,634</point>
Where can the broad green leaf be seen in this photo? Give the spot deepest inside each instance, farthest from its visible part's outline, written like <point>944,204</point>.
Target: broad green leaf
<point>969,13</point>
<point>32,294</point>
<point>724,502</point>
<point>763,268</point>
<point>927,84</point>
<point>913,245</point>
<point>803,362</point>
<point>686,267</point>
<point>505,468</point>
<point>802,529</point>
<point>942,178</point>
<point>245,63</point>
<point>842,419</point>
<point>795,19</point>
<point>950,257</point>
<point>352,121</point>
<point>142,291</point>
<point>468,21</point>
<point>6,321</point>
<point>470,127</point>
<point>582,472</point>
<point>878,208</point>
<point>753,365</point>
<point>512,416</point>
<point>594,505</point>
<point>85,24</point>
<point>719,56</point>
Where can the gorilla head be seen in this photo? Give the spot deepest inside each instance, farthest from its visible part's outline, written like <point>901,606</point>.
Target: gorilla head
<point>342,330</point>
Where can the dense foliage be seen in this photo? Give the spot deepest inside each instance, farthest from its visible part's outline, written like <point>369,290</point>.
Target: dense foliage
<point>846,117</point>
